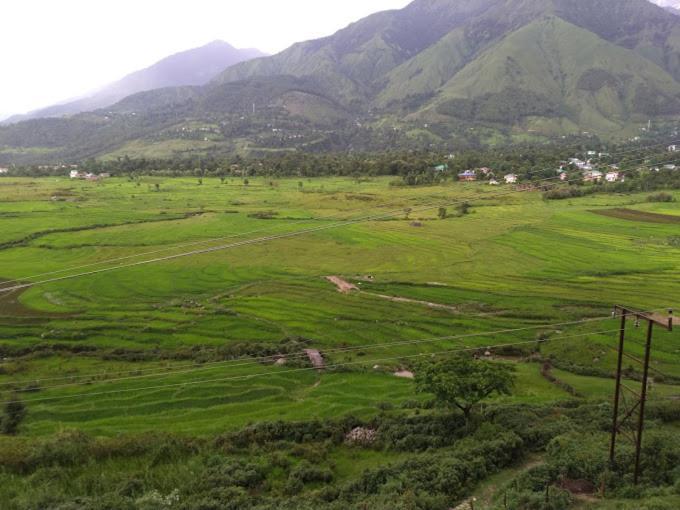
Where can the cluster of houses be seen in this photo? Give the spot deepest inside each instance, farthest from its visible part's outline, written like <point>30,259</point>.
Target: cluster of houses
<point>3,171</point>
<point>76,174</point>
<point>474,175</point>
<point>589,170</point>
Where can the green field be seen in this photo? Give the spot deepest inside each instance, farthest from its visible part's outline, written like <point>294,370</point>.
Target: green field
<point>185,345</point>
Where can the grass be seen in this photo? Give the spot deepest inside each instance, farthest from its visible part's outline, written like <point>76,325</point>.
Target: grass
<point>514,262</point>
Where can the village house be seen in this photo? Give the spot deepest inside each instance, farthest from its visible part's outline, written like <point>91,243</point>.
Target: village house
<point>670,167</point>
<point>511,179</point>
<point>486,171</point>
<point>468,175</point>
<point>75,174</point>
<point>493,182</point>
<point>673,148</point>
<point>441,168</point>
<point>4,170</point>
<point>564,175</point>
<point>612,176</point>
<point>593,176</point>
<point>581,165</point>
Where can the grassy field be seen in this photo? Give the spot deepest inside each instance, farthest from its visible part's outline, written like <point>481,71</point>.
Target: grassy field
<point>186,345</point>
<point>516,261</point>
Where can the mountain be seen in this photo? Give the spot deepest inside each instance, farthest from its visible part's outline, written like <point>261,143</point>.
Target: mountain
<point>440,73</point>
<point>193,67</point>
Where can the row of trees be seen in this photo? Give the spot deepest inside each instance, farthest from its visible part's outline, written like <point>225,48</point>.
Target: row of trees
<point>526,160</point>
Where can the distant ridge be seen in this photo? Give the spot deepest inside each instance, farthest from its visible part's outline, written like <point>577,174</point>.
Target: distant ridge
<point>437,73</point>
<point>192,67</point>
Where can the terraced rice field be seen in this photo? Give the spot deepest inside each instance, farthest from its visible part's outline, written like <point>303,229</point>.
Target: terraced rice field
<point>170,345</point>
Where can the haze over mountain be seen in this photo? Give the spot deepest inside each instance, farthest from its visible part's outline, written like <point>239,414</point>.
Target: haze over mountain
<point>192,67</point>
<point>421,76</point>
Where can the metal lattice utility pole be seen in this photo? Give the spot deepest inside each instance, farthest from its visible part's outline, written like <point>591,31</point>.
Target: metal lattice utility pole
<point>641,398</point>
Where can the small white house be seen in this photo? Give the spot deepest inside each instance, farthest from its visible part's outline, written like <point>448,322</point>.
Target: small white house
<point>75,174</point>
<point>673,148</point>
<point>511,179</point>
<point>4,170</point>
<point>592,153</point>
<point>493,182</point>
<point>612,176</point>
<point>670,167</point>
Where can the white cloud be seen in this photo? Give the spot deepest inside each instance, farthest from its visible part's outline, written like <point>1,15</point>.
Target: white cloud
<point>54,50</point>
<point>666,3</point>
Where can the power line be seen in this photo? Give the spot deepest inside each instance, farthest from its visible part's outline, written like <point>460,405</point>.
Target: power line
<point>288,371</point>
<point>255,241</point>
<point>196,243</point>
<point>165,369</point>
<point>253,361</point>
<point>256,361</point>
<point>646,147</point>
<point>331,217</point>
<point>17,287</point>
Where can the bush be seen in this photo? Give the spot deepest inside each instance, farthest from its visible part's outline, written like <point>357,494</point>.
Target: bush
<point>565,193</point>
<point>222,472</point>
<point>305,472</point>
<point>661,197</point>
<point>556,499</point>
<point>15,412</point>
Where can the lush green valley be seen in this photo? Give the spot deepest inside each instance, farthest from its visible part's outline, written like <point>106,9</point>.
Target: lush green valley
<point>184,383</point>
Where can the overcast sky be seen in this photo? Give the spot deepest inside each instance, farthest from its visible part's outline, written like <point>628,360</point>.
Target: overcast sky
<point>53,50</point>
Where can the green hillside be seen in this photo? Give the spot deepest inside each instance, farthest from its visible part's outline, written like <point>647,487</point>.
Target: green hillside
<point>428,74</point>
<point>551,68</point>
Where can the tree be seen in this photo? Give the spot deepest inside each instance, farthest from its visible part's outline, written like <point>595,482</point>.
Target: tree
<point>463,382</point>
<point>442,213</point>
<point>15,412</point>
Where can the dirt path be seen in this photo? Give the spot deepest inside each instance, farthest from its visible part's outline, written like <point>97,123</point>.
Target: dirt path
<point>343,286</point>
<point>316,358</point>
<point>429,304</point>
<point>487,491</point>
<point>346,287</point>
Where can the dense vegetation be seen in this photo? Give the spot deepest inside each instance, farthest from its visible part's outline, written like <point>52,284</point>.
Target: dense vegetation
<point>137,388</point>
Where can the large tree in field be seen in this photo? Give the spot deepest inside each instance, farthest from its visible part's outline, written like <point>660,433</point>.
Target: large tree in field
<point>463,382</point>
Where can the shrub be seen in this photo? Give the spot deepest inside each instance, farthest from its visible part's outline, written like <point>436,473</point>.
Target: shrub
<point>222,472</point>
<point>14,414</point>
<point>661,197</point>
<point>305,472</point>
<point>564,193</point>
